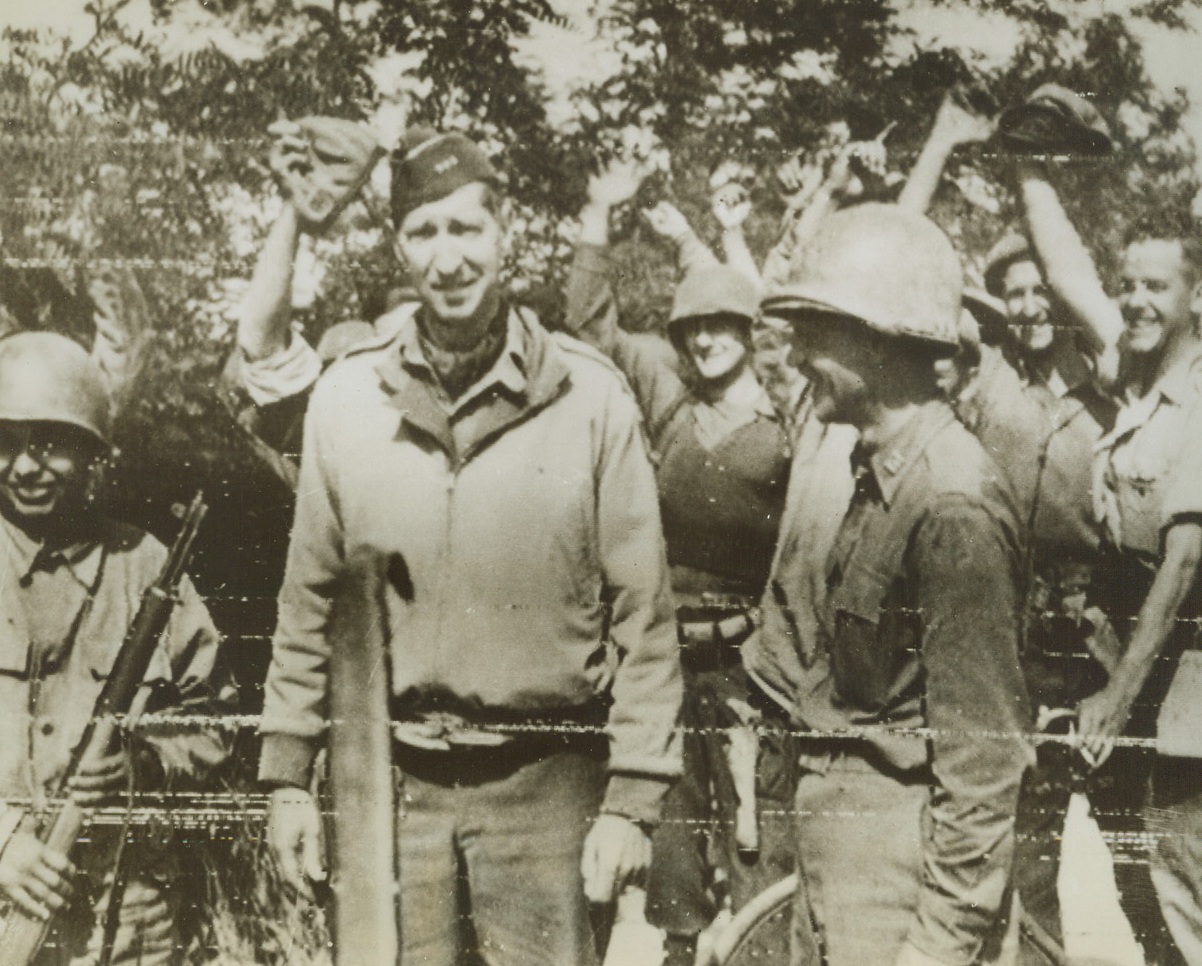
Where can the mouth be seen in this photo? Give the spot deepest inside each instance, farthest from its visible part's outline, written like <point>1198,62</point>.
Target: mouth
<point>32,494</point>
<point>1142,326</point>
<point>453,291</point>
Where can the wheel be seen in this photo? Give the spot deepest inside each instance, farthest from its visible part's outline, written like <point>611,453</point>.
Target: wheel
<point>759,932</point>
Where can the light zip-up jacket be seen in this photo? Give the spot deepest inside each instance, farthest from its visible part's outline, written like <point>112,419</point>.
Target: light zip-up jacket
<point>527,571</point>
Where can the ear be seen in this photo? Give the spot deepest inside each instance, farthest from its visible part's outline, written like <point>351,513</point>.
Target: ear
<point>397,251</point>
<point>505,218</point>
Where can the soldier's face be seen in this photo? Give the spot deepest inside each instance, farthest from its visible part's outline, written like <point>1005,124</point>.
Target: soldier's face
<point>44,469</point>
<point>453,248</point>
<point>1028,306</point>
<point>1157,294</point>
<point>716,346</point>
<point>835,358</point>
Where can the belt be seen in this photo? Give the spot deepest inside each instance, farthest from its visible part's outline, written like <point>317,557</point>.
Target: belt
<point>736,627</point>
<point>443,731</point>
<point>467,764</point>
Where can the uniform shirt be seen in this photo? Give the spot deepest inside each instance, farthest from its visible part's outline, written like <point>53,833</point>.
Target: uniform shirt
<point>1147,467</point>
<point>65,615</point>
<point>1044,441</point>
<point>522,524</point>
<point>722,469</point>
<point>920,631</point>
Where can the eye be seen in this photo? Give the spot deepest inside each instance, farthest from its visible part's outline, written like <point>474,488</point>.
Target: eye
<point>466,228</point>
<point>420,232</point>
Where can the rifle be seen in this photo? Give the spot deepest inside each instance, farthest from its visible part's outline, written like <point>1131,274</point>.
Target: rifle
<point>23,935</point>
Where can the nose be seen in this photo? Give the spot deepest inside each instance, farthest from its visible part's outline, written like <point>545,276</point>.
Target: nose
<point>24,464</point>
<point>703,338</point>
<point>1135,298</point>
<point>447,258</point>
<point>1030,305</point>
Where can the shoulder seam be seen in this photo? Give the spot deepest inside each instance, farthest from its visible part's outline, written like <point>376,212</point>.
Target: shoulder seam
<point>571,344</point>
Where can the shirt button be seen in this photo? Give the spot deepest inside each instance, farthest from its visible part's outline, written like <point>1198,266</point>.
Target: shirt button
<point>47,727</point>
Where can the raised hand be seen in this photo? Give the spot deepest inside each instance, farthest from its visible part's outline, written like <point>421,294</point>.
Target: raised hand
<point>618,181</point>
<point>731,206</point>
<point>667,221</point>
<point>958,124</point>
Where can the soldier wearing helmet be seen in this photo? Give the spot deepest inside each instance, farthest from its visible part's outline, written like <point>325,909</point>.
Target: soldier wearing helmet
<point>723,458</point>
<point>72,585</point>
<point>913,690</point>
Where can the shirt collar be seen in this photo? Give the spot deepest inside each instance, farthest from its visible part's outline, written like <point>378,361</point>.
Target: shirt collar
<point>1176,385</point>
<point>891,461</point>
<point>81,559</point>
<point>510,370</point>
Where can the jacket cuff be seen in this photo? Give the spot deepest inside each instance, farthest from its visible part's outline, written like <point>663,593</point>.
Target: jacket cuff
<point>637,798</point>
<point>287,760</point>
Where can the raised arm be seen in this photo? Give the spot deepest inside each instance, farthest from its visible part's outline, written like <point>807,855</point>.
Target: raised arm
<point>809,202</point>
<point>592,308</point>
<point>1069,268</point>
<point>669,222</point>
<point>122,320</point>
<point>731,206</point>
<point>954,126</point>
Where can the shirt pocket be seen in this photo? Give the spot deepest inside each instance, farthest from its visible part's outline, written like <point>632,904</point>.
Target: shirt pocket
<point>1139,495</point>
<point>862,653</point>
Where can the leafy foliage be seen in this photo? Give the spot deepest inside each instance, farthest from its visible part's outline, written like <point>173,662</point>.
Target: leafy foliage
<point>149,148</point>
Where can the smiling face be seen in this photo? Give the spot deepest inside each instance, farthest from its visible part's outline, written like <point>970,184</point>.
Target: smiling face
<point>716,345</point>
<point>44,470</point>
<point>1028,306</point>
<point>1158,294</point>
<point>454,248</point>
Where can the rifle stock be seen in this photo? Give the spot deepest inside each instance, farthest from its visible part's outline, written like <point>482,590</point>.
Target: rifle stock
<point>22,935</point>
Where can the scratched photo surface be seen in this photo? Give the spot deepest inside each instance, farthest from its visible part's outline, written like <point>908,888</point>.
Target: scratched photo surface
<point>742,462</point>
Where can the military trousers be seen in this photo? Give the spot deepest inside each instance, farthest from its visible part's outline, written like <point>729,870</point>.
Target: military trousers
<point>489,843</point>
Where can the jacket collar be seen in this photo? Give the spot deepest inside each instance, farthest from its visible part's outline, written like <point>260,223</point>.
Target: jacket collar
<point>891,462</point>
<point>82,559</point>
<point>528,374</point>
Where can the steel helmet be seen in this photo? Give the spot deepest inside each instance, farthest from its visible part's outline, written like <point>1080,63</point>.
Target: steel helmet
<point>713,290</point>
<point>1012,247</point>
<point>894,270</point>
<point>46,377</point>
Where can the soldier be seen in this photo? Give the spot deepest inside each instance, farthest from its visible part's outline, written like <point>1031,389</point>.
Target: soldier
<point>73,584</point>
<point>502,472</point>
<point>722,469</point>
<point>906,806</point>
<point>1149,501</point>
<point>1039,401</point>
